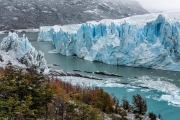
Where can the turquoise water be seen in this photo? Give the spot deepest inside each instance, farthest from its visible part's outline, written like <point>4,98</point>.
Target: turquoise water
<point>165,84</point>
<point>168,112</point>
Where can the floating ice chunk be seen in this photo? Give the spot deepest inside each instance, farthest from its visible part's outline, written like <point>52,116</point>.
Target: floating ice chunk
<point>156,83</point>
<point>88,82</point>
<point>145,90</point>
<point>81,81</point>
<point>173,98</point>
<point>53,51</point>
<point>172,95</point>
<point>131,90</point>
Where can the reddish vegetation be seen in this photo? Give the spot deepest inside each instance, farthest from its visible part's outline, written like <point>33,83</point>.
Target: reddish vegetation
<point>30,95</point>
<point>91,96</point>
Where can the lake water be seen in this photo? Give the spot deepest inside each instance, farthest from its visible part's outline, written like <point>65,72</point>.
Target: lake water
<point>163,98</point>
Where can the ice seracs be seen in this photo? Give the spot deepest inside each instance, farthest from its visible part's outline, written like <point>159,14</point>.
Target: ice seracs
<point>150,41</point>
<point>20,49</point>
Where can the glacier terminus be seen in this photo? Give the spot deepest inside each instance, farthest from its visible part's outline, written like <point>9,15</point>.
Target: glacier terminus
<point>149,41</point>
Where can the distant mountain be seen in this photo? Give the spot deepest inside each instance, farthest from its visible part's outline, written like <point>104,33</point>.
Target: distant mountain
<point>22,14</point>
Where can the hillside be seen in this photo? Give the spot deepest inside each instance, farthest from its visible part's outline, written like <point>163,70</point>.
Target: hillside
<point>26,94</point>
<point>23,14</point>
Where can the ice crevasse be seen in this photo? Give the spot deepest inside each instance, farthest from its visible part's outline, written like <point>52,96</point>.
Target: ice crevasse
<point>150,41</point>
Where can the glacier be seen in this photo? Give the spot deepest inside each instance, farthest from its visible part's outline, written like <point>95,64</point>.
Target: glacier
<point>20,50</point>
<point>22,54</point>
<point>149,41</point>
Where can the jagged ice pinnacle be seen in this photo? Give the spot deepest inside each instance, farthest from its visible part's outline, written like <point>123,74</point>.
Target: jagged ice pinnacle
<point>22,50</point>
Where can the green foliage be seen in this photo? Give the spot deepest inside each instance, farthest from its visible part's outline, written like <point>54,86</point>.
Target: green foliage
<point>79,111</point>
<point>139,104</point>
<point>71,110</point>
<point>23,94</point>
<point>103,101</point>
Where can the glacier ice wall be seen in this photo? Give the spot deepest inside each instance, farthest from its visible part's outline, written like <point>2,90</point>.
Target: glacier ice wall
<point>22,50</point>
<point>150,41</point>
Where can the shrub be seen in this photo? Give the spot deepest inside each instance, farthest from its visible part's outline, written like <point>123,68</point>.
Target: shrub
<point>23,95</point>
<point>152,116</point>
<point>139,104</point>
<point>159,116</point>
<point>30,95</point>
<point>125,104</point>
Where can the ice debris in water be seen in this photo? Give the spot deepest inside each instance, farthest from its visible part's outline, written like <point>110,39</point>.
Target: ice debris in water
<point>171,93</point>
<point>173,98</point>
<point>88,82</point>
<point>53,51</point>
<point>131,90</point>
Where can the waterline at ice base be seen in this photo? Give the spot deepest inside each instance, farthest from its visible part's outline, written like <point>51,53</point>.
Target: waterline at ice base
<point>149,41</point>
